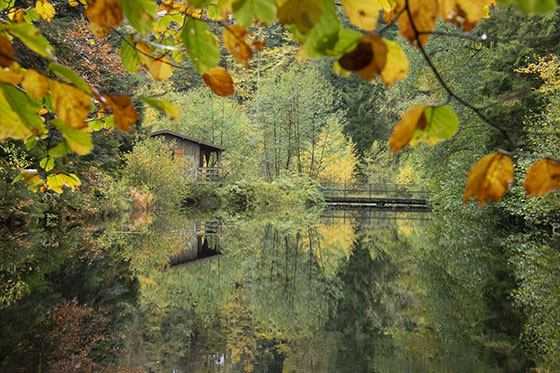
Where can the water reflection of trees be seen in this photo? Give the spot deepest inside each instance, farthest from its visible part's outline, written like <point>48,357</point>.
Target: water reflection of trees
<point>75,294</point>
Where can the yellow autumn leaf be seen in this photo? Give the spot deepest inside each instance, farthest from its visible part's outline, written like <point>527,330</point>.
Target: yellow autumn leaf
<point>219,80</point>
<point>363,14</point>
<point>542,178</point>
<point>35,84</point>
<point>423,20</point>
<point>125,115</point>
<point>463,13</point>
<point>56,181</point>
<point>11,76</point>
<point>145,53</point>
<point>160,67</point>
<point>6,52</point>
<point>404,130</point>
<point>17,15</point>
<point>225,7</point>
<point>396,66</point>
<point>104,15</point>
<point>71,104</point>
<point>18,120</point>
<point>234,40</point>
<point>11,126</point>
<point>446,9</point>
<point>30,176</point>
<point>45,10</point>
<point>489,178</point>
<point>302,13</point>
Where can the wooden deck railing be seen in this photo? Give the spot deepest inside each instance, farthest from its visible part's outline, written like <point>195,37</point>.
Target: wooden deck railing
<point>210,174</point>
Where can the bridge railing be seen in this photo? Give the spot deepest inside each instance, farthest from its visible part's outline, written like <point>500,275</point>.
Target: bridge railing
<point>371,190</point>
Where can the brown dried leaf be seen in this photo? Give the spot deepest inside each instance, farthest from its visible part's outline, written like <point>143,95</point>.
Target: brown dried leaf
<point>423,14</point>
<point>357,59</point>
<point>219,80</point>
<point>234,40</point>
<point>379,60</point>
<point>125,115</point>
<point>404,130</point>
<point>542,178</point>
<point>258,45</point>
<point>489,178</point>
<point>104,15</point>
<point>6,52</point>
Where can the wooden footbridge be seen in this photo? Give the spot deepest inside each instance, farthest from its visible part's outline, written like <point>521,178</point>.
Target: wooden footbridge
<point>382,197</point>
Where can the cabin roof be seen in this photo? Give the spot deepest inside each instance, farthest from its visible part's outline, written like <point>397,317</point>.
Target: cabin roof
<point>189,138</point>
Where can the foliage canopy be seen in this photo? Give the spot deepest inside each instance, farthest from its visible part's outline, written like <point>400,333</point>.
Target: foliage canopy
<point>34,104</point>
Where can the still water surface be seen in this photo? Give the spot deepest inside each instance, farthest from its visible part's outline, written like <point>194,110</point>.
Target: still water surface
<point>327,292</point>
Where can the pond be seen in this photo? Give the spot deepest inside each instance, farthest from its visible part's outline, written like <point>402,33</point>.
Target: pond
<point>330,291</point>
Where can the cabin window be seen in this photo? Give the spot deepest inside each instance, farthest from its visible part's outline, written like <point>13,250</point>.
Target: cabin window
<point>179,153</point>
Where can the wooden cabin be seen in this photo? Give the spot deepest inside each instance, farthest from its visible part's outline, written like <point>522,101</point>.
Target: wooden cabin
<point>204,156</point>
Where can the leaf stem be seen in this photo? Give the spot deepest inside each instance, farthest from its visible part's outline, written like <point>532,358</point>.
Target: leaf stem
<point>444,85</point>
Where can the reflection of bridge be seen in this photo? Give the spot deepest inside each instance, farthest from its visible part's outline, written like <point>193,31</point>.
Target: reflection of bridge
<point>385,197</point>
<point>374,218</point>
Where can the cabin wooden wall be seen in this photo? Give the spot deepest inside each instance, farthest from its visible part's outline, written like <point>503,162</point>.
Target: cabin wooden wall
<point>184,148</point>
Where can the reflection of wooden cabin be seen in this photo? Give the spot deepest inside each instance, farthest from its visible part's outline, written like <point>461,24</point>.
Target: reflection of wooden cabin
<point>205,156</point>
<point>205,246</point>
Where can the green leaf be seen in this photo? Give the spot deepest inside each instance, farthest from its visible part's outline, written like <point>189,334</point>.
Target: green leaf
<point>31,16</point>
<point>47,164</point>
<point>11,126</point>
<point>23,107</point>
<point>6,4</point>
<point>213,12</point>
<point>532,6</point>
<point>323,37</point>
<point>96,125</point>
<point>163,106</point>
<point>347,40</point>
<point>130,58</point>
<point>201,45</point>
<point>109,122</point>
<point>441,123</point>
<point>71,76</point>
<point>60,150</point>
<point>31,143</point>
<point>78,140</point>
<point>199,4</point>
<point>243,12</point>
<point>140,14</point>
<point>32,38</point>
<point>162,24</point>
<point>263,10</point>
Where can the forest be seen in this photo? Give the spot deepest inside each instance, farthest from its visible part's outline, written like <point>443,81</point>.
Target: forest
<point>459,98</point>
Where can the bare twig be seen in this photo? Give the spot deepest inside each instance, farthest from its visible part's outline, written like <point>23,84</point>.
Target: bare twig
<point>444,85</point>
